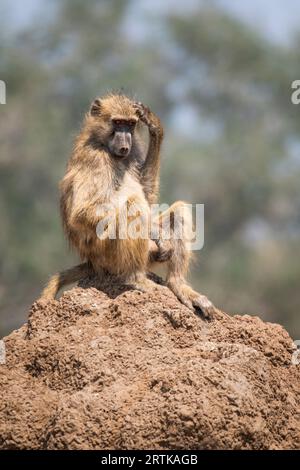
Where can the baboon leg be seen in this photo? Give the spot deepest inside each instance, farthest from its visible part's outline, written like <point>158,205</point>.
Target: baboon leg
<point>176,224</point>
<point>126,254</point>
<point>124,251</point>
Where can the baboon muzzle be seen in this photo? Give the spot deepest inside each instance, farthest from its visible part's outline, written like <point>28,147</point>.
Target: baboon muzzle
<point>122,142</point>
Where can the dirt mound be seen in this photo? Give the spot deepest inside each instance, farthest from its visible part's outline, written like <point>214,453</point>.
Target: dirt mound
<point>121,369</point>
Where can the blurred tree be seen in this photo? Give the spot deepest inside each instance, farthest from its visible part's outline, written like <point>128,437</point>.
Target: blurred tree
<point>247,173</point>
<point>231,142</point>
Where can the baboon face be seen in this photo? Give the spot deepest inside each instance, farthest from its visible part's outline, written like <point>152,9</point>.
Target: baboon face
<point>115,119</point>
<point>120,141</point>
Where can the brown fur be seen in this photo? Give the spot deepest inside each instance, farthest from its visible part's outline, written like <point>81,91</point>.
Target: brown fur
<point>95,176</point>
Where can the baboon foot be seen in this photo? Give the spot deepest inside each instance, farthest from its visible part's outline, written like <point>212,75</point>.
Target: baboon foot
<point>141,283</point>
<point>192,299</point>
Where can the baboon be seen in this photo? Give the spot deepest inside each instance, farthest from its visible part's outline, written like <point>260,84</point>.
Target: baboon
<point>109,163</point>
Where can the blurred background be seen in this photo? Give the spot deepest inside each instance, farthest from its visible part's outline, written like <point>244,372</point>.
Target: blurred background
<point>219,75</point>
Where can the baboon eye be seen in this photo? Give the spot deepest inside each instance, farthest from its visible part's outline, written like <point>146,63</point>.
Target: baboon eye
<point>128,123</point>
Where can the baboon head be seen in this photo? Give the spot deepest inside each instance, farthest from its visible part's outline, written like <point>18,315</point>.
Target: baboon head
<point>115,120</point>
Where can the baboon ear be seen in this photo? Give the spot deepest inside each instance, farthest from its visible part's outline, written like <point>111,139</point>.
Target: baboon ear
<point>96,108</point>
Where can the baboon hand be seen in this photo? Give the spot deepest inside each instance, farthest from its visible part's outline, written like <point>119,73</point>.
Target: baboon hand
<point>142,111</point>
<point>147,117</point>
<point>163,252</point>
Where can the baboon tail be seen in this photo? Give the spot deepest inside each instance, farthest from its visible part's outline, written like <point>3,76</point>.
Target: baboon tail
<point>64,278</point>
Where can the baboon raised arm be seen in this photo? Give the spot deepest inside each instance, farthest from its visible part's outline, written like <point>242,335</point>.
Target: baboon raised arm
<point>108,172</point>
<point>151,166</point>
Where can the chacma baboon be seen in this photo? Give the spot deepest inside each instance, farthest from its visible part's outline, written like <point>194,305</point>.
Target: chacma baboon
<point>108,163</point>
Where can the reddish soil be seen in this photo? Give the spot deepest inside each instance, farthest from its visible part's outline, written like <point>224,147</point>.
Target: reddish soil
<point>121,369</point>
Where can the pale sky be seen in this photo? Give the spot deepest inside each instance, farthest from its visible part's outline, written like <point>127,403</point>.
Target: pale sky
<point>275,18</point>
